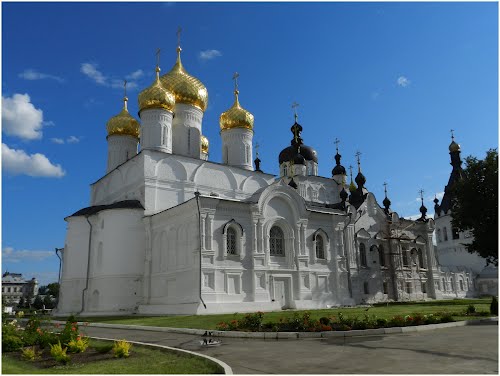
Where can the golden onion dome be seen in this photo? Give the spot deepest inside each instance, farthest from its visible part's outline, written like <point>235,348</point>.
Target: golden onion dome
<point>123,124</point>
<point>156,96</point>
<point>352,187</point>
<point>236,116</point>
<point>186,88</point>
<point>204,144</point>
<point>454,147</point>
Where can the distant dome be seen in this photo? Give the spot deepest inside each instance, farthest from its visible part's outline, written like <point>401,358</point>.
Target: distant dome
<point>204,144</point>
<point>186,88</point>
<point>288,153</point>
<point>454,147</point>
<point>236,116</point>
<point>123,124</point>
<point>156,96</point>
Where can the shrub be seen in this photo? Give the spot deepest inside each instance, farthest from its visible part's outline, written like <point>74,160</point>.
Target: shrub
<point>397,321</point>
<point>11,343</point>
<point>252,321</point>
<point>431,319</point>
<point>494,306</point>
<point>121,349</point>
<point>324,320</point>
<point>59,353</point>
<point>326,328</point>
<point>70,331</point>
<point>78,345</point>
<point>30,353</point>
<point>32,325</point>
<point>382,323</point>
<point>471,309</point>
<point>20,314</point>
<point>482,313</point>
<point>446,317</point>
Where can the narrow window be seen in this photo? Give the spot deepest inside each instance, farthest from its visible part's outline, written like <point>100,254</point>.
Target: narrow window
<point>444,284</point>
<point>461,285</point>
<point>424,287</point>
<point>408,287</point>
<point>366,288</point>
<point>231,241</point>
<point>386,287</point>
<point>405,258</point>
<point>276,241</point>
<point>362,255</point>
<point>445,234</point>
<point>421,259</point>
<point>285,171</point>
<point>381,255</point>
<point>320,249</point>
<point>454,233</point>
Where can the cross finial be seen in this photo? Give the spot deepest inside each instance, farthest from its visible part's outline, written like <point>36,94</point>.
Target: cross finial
<point>358,154</point>
<point>294,106</point>
<point>452,135</point>
<point>235,78</point>
<point>421,191</point>
<point>336,142</point>
<point>179,30</point>
<point>350,171</point>
<point>125,99</point>
<point>158,57</point>
<point>257,149</point>
<point>385,189</point>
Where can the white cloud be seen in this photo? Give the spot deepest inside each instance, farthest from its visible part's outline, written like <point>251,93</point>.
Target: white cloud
<point>403,81</point>
<point>20,118</point>
<point>73,140</point>
<point>135,75</point>
<point>9,254</point>
<point>90,70</point>
<point>209,54</point>
<point>17,162</point>
<point>31,74</point>
<point>56,140</point>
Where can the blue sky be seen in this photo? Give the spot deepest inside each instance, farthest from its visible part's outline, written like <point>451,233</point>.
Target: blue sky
<point>387,79</point>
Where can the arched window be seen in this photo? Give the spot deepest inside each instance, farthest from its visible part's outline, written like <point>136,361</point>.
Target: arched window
<point>420,258</point>
<point>381,255</point>
<point>366,288</point>
<point>231,241</point>
<point>461,285</point>
<point>444,284</point>
<point>362,255</point>
<point>320,247</point>
<point>445,234</point>
<point>276,242</point>
<point>285,170</point>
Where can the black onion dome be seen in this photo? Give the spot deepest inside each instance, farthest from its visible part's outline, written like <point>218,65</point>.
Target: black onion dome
<point>290,152</point>
<point>299,159</point>
<point>343,195</point>
<point>338,169</point>
<point>386,203</point>
<point>360,179</point>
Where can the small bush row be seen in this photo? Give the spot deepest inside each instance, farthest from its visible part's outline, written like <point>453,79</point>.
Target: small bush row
<point>304,323</point>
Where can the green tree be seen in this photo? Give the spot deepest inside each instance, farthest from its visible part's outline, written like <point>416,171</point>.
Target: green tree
<point>42,290</point>
<point>21,303</point>
<point>53,289</point>
<point>475,205</point>
<point>48,302</point>
<point>38,303</point>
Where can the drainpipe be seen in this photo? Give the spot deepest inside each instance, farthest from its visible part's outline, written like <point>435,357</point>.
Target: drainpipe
<point>58,250</point>
<point>88,265</point>
<point>197,195</point>
<point>349,284</point>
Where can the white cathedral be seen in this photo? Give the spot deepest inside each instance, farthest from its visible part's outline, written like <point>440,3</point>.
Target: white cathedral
<point>170,232</point>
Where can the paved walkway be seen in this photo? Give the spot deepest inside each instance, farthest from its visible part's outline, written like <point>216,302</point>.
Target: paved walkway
<point>466,349</point>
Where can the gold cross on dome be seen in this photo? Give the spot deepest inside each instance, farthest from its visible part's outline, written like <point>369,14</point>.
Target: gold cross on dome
<point>125,88</point>
<point>336,142</point>
<point>350,170</point>
<point>294,106</point>
<point>385,188</point>
<point>452,135</point>
<point>235,78</point>
<point>158,57</point>
<point>421,191</point>
<point>179,30</point>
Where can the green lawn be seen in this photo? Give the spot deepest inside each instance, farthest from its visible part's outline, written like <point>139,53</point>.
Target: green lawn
<point>143,360</point>
<point>455,307</point>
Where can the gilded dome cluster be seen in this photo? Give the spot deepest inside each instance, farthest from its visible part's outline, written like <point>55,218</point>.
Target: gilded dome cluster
<point>236,116</point>
<point>123,124</point>
<point>186,88</point>
<point>204,144</point>
<point>156,96</point>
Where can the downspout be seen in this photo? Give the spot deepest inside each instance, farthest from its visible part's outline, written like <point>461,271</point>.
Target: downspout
<point>197,195</point>
<point>349,284</point>
<point>59,275</point>
<point>88,265</point>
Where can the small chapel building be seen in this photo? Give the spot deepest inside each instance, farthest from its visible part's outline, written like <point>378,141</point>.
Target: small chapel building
<point>170,232</point>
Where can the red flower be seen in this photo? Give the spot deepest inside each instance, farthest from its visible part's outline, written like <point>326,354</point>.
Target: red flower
<point>78,338</point>
<point>73,328</point>
<point>57,325</point>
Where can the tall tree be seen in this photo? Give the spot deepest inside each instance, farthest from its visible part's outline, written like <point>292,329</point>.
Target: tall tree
<point>475,205</point>
<point>53,289</point>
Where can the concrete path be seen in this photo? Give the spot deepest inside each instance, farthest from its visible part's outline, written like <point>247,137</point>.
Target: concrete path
<point>467,350</point>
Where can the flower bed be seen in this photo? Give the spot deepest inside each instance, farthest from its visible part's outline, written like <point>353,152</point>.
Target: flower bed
<point>254,322</point>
